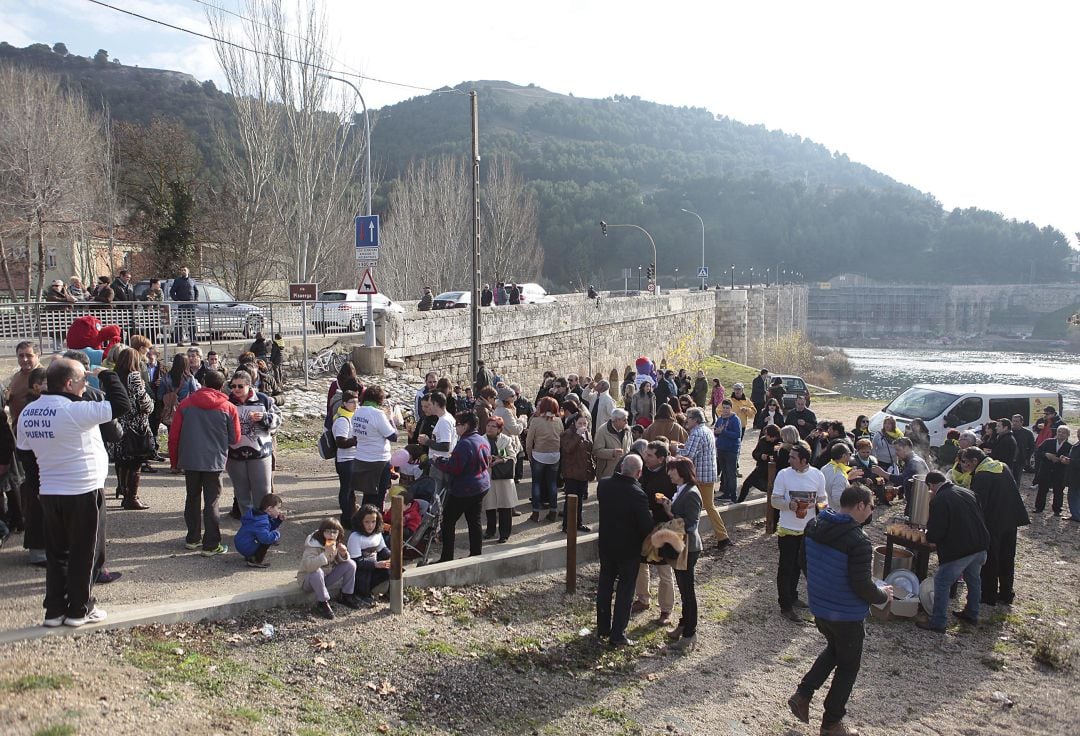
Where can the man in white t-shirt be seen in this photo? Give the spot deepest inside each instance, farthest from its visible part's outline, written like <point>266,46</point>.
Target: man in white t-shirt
<point>797,492</point>
<point>443,437</point>
<point>374,433</point>
<point>62,431</point>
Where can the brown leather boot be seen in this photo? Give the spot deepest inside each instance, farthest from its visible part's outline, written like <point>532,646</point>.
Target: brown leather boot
<point>837,728</point>
<point>800,707</point>
<point>131,496</point>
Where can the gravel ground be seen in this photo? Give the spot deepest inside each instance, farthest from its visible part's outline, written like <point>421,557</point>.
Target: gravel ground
<point>516,658</point>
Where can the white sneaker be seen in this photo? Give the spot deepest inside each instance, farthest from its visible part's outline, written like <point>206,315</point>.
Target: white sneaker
<point>55,621</point>
<point>93,616</point>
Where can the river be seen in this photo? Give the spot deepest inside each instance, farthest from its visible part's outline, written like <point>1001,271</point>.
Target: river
<point>882,374</point>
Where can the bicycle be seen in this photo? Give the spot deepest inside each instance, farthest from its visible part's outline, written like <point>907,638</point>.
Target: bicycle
<point>329,360</point>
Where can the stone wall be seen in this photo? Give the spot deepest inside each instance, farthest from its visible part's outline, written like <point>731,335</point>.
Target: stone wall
<point>571,335</point>
<point>745,319</point>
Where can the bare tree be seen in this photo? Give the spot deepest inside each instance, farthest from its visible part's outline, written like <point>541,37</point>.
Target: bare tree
<point>48,144</point>
<point>510,248</point>
<point>425,241</point>
<point>302,161</point>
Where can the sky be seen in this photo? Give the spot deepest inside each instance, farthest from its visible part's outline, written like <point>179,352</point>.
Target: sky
<point>973,102</point>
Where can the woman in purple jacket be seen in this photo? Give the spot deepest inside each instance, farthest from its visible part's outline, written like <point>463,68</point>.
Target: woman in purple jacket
<point>468,470</point>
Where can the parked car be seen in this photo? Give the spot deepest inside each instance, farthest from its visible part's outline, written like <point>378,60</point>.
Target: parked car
<point>794,386</point>
<point>452,300</point>
<point>535,294</point>
<point>217,312</point>
<point>346,309</point>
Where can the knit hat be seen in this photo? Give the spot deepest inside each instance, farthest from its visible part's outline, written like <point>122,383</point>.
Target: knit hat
<point>506,394</point>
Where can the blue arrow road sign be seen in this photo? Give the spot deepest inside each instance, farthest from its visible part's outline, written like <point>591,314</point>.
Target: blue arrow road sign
<point>703,272</point>
<point>367,231</point>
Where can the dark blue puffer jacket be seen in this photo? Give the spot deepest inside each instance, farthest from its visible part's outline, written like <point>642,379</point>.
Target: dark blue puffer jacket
<point>838,559</point>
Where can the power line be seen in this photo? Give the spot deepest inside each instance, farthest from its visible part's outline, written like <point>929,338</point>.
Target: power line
<point>281,57</point>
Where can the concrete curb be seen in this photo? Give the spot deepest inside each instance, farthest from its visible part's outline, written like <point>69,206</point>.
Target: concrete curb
<point>490,567</point>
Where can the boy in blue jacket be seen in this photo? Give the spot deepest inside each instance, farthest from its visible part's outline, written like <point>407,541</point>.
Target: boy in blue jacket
<point>728,432</point>
<point>258,530</point>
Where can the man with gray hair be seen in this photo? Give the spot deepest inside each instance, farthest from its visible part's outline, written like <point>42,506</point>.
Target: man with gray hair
<point>956,474</point>
<point>611,442</point>
<point>625,521</point>
<point>601,404</point>
<point>701,449</point>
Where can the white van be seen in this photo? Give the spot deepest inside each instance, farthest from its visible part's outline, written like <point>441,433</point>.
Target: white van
<point>964,406</point>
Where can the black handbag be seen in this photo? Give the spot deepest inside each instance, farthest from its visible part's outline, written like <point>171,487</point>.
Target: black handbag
<point>137,445</point>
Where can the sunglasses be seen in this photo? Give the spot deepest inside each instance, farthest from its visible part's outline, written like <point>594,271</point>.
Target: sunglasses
<point>237,385</point>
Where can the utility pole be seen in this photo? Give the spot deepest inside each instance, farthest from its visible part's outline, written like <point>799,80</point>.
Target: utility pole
<point>474,307</point>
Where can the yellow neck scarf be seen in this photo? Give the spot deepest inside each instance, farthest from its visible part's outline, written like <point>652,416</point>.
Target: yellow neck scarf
<point>845,469</point>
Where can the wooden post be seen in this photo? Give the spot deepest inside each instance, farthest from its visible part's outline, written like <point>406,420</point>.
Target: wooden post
<point>397,513</point>
<point>571,542</point>
<point>770,512</point>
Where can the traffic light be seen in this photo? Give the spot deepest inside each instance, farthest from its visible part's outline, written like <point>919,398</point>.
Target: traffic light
<point>603,228</point>
<point>650,271</point>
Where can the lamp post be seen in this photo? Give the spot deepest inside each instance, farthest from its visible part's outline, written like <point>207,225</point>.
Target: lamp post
<point>751,277</point>
<point>733,277</point>
<point>695,214</point>
<point>369,331</point>
<point>656,287</point>
<point>639,277</point>
<point>767,270</point>
<point>676,277</point>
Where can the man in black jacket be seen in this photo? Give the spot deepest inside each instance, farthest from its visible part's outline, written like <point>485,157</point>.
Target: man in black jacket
<point>758,390</point>
<point>1006,449</point>
<point>123,291</point>
<point>801,418</point>
<point>1003,511</point>
<point>183,289</point>
<point>1025,443</point>
<point>624,523</point>
<point>956,526</point>
<point>1053,459</point>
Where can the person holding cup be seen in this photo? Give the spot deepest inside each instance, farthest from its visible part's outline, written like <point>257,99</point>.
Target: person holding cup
<point>797,491</point>
<point>249,463</point>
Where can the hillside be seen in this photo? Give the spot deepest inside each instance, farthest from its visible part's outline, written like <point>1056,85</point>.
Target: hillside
<point>768,199</point>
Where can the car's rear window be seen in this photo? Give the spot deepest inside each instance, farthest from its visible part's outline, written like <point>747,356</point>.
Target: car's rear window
<point>450,296</point>
<point>332,296</point>
<point>794,384</point>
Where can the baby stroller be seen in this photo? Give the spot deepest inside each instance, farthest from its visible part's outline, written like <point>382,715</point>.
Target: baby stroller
<point>427,492</point>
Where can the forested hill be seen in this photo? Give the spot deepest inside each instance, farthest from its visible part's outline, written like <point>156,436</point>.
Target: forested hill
<point>768,199</point>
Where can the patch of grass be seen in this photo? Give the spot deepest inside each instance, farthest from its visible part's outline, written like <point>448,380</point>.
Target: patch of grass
<point>200,664</point>
<point>789,658</point>
<point>729,372</point>
<point>37,682</point>
<point>244,714</point>
<point>1052,649</point>
<point>437,647</point>
<point>627,724</point>
<point>995,662</point>
<point>297,443</point>
<point>58,729</point>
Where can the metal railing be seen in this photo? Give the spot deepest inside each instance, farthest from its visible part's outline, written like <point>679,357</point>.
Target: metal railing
<point>167,323</point>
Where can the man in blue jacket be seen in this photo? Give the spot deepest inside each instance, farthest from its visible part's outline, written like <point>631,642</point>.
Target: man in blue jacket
<point>728,433</point>
<point>838,558</point>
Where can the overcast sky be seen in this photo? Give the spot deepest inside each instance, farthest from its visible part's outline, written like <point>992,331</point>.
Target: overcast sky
<point>974,102</point>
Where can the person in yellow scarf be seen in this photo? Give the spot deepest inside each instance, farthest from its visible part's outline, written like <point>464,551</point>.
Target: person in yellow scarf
<point>838,473</point>
<point>346,453</point>
<point>883,441</point>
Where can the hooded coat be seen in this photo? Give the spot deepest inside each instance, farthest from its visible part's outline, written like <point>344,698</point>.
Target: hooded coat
<point>838,560</point>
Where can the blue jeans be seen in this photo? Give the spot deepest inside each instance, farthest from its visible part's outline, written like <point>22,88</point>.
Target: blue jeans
<point>544,492</point>
<point>727,463</point>
<point>970,568</point>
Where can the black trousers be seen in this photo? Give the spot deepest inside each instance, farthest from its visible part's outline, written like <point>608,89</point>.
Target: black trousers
<point>843,652</point>
<point>579,488</point>
<point>71,548</point>
<point>758,478</point>
<point>471,508</point>
<point>999,569</point>
<point>688,595</point>
<point>788,570</point>
<point>201,507</point>
<point>260,552</point>
<point>368,576</point>
<point>1058,487</point>
<point>616,577</point>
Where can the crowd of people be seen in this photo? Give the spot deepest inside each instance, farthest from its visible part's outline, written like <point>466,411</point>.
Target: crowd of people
<point>658,460</point>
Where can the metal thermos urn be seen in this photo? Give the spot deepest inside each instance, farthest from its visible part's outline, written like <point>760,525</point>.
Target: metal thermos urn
<point>919,503</point>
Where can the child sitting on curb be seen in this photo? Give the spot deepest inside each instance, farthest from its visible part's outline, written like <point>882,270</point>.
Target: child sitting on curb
<point>258,530</point>
<point>326,564</point>
<point>367,548</point>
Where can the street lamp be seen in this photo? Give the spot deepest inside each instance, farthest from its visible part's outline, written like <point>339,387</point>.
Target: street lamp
<point>369,332</point>
<point>751,277</point>
<point>702,243</point>
<point>767,277</point>
<point>676,277</point>
<point>656,285</point>
<point>639,277</point>
<point>733,277</point>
